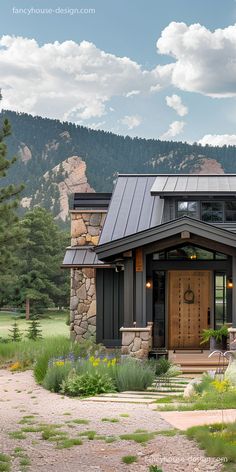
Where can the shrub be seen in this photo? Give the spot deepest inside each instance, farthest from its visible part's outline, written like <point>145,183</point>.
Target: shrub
<point>87,384</point>
<point>162,366</point>
<point>55,375</point>
<point>133,375</point>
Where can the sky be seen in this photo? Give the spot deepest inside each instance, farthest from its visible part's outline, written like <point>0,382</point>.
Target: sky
<point>162,69</point>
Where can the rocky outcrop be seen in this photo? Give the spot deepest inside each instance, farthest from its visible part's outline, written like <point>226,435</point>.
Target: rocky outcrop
<point>25,153</point>
<point>209,166</point>
<point>70,177</point>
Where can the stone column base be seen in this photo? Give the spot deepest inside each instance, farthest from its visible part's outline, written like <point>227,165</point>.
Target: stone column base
<point>232,339</point>
<point>136,342</point>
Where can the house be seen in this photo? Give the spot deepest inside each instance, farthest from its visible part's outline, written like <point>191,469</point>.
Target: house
<point>154,263</point>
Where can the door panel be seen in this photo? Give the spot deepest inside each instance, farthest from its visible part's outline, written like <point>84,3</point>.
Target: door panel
<point>189,304</point>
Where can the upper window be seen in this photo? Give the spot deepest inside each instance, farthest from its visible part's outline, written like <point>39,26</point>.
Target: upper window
<point>230,211</point>
<point>187,209</point>
<point>189,252</point>
<point>212,211</point>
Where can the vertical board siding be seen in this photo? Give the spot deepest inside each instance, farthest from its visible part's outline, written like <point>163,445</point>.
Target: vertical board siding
<point>110,306</point>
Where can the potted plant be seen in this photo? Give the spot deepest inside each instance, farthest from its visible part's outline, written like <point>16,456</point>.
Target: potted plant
<point>217,338</point>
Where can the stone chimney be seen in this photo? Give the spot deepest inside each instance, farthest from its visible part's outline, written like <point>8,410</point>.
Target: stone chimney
<point>87,220</point>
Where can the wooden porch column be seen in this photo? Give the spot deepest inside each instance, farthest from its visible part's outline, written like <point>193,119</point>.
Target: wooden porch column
<point>234,292</point>
<point>128,293</point>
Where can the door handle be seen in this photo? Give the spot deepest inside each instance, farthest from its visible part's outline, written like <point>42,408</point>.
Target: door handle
<point>209,316</point>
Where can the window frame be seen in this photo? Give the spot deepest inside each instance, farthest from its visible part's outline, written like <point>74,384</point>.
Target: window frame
<point>213,201</point>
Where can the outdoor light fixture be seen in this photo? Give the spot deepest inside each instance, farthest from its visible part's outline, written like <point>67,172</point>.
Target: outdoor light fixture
<point>230,283</point>
<point>193,257</point>
<point>148,284</point>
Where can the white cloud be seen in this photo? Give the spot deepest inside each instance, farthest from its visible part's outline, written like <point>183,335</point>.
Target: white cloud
<point>175,102</point>
<point>175,129</point>
<point>133,93</point>
<point>131,121</point>
<point>218,140</point>
<point>205,61</point>
<point>67,80</point>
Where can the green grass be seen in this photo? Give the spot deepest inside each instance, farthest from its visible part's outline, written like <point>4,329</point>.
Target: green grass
<point>212,400</point>
<point>89,434</point>
<point>53,326</point>
<point>155,468</point>
<point>124,415</point>
<point>5,467</point>
<point>129,459</point>
<point>170,399</point>
<point>138,437</point>
<point>25,461</point>
<point>17,435</point>
<point>4,457</point>
<point>111,420</point>
<point>67,443</point>
<point>219,440</point>
<point>80,421</point>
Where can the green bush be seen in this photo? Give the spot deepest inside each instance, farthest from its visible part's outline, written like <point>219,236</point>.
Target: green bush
<point>133,375</point>
<point>55,375</point>
<point>162,366</point>
<point>87,384</point>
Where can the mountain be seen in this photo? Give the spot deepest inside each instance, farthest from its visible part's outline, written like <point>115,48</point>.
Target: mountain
<point>55,159</point>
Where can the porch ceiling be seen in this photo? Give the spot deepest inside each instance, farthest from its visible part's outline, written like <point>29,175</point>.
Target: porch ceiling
<point>163,231</point>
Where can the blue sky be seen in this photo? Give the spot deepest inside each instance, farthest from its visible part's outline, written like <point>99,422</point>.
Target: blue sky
<point>108,72</point>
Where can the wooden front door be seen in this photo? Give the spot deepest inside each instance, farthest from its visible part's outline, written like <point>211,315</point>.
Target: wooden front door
<point>189,307</point>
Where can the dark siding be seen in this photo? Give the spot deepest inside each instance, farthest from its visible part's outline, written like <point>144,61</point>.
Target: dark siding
<point>110,306</point>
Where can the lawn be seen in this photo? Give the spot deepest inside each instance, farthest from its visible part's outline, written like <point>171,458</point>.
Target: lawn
<point>54,325</point>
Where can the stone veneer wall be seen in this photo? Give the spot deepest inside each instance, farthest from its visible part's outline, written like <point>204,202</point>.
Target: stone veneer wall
<point>136,342</point>
<point>85,231</point>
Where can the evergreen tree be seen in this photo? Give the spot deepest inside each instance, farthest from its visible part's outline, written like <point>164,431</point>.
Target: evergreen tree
<point>11,235</point>
<point>34,332</point>
<point>15,334</point>
<point>42,283</point>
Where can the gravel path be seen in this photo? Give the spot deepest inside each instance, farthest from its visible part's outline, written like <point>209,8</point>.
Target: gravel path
<point>21,396</point>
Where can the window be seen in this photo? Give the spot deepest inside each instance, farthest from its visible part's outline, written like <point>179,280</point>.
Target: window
<point>212,211</point>
<point>230,211</point>
<point>189,252</point>
<point>187,209</point>
<point>220,299</point>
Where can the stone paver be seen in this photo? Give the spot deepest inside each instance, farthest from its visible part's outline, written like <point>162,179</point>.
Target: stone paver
<point>186,419</point>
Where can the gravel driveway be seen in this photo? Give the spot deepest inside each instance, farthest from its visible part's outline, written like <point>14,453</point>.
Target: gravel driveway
<point>20,397</point>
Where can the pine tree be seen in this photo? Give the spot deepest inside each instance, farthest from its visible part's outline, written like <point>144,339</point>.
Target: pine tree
<point>15,334</point>
<point>34,332</point>
<point>41,282</point>
<point>11,234</point>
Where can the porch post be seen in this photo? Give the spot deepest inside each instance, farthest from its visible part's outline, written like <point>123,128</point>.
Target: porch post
<point>234,292</point>
<point>128,293</point>
<point>139,288</point>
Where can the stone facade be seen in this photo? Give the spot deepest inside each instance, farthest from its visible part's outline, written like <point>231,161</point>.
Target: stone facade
<point>85,231</point>
<point>232,339</point>
<point>136,342</point>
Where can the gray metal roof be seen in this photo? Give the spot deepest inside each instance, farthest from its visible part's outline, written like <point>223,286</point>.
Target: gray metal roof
<point>216,184</point>
<point>166,230</point>
<point>83,256</point>
<point>132,208</point>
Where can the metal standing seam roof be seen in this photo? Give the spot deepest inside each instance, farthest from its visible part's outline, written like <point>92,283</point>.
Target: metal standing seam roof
<point>215,184</point>
<point>132,208</point>
<point>83,256</point>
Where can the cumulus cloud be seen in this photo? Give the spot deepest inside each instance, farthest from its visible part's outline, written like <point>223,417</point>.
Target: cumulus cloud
<point>67,80</point>
<point>175,129</point>
<point>175,102</point>
<point>205,61</point>
<point>131,121</point>
<point>133,93</point>
<point>218,140</point>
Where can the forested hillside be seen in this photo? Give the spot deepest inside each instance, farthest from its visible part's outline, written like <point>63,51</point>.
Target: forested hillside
<point>42,144</point>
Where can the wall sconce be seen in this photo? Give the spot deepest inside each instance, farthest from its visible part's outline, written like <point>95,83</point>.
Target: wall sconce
<point>230,283</point>
<point>148,284</point>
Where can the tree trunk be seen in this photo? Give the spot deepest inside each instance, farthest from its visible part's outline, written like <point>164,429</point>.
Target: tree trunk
<point>27,309</point>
